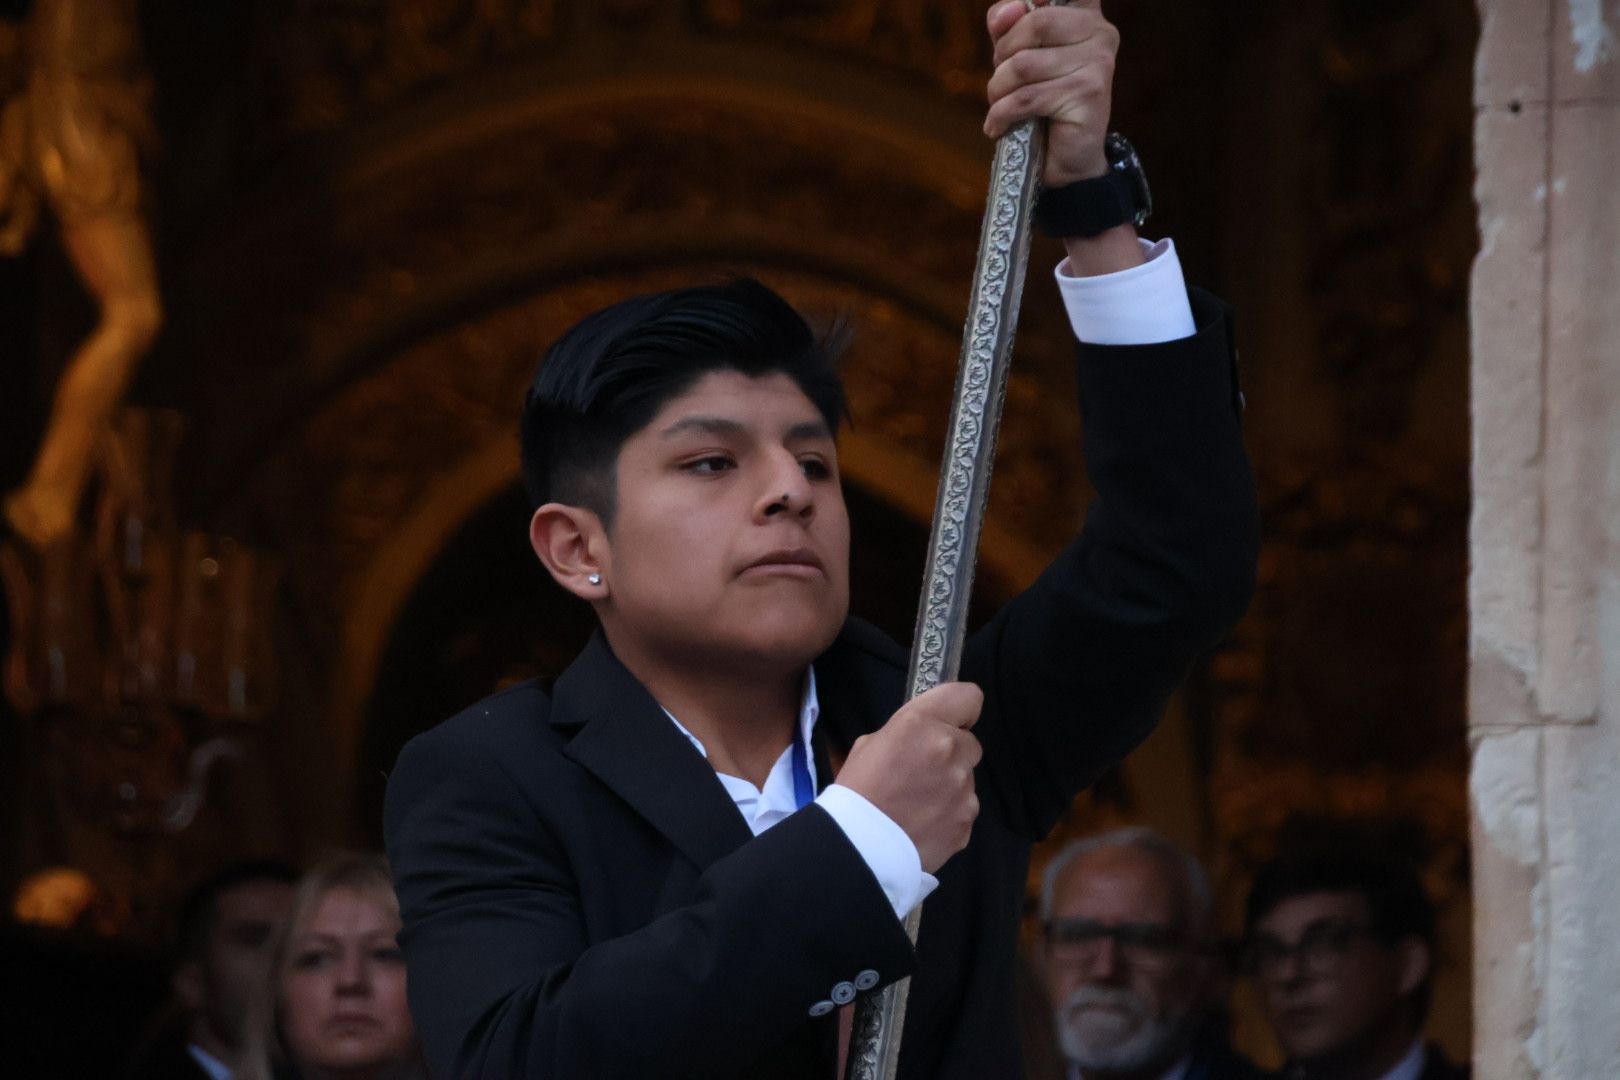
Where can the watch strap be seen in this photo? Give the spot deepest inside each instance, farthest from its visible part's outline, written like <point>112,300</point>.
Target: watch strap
<point>1087,208</point>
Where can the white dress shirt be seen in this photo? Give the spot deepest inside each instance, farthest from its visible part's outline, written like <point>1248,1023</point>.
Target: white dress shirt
<point>882,845</point>
<point>1178,1071</point>
<point>1144,305</point>
<point>1409,1067</point>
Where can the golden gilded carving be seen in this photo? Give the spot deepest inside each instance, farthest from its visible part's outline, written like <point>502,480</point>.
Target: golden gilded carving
<point>73,131</point>
<point>140,656</point>
<point>330,61</point>
<point>1342,691</point>
<point>944,39</point>
<point>327,63</point>
<point>1392,226</point>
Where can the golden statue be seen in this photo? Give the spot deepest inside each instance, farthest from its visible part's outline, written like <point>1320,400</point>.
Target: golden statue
<point>74,120</point>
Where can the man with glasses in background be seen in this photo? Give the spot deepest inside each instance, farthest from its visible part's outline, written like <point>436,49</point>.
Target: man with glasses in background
<point>1340,943</point>
<point>1131,964</point>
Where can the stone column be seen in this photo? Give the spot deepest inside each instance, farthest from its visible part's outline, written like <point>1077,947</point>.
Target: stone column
<point>1545,581</point>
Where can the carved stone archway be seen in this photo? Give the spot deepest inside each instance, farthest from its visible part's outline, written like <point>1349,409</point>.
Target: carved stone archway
<point>394,343</point>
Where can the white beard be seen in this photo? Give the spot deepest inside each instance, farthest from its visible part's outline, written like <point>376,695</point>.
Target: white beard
<point>1116,1041</point>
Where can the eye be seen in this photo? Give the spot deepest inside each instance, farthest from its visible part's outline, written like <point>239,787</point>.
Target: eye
<point>1146,936</point>
<point>816,468</point>
<point>310,959</point>
<point>388,954</point>
<point>712,465</point>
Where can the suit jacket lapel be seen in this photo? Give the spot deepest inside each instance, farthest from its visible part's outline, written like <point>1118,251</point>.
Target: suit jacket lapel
<point>627,741</point>
<point>857,694</point>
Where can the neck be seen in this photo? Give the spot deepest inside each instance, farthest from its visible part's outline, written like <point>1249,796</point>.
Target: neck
<point>1152,1071</point>
<point>397,1070</point>
<point>744,715</point>
<point>1367,1060</point>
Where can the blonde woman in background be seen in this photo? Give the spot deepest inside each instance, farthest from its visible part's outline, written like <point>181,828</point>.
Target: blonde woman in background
<point>334,1004</point>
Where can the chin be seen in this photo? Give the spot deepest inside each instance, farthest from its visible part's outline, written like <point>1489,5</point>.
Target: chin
<point>353,1057</point>
<point>791,641</point>
<point>1311,1046</point>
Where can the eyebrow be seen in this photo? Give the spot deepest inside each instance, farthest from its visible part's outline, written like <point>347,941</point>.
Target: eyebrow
<point>316,937</point>
<point>725,425</point>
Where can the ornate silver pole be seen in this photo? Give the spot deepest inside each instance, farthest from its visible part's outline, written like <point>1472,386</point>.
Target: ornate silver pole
<point>964,482</point>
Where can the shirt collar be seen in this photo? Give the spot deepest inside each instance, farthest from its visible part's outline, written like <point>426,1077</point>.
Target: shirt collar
<point>1409,1067</point>
<point>809,713</point>
<point>1178,1071</point>
<point>208,1063</point>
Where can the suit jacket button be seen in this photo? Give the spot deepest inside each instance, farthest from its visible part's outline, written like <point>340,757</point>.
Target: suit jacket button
<point>822,1008</point>
<point>866,980</point>
<point>843,993</point>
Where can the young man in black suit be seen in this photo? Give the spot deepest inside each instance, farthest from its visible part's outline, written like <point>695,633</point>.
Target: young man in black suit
<point>644,869</point>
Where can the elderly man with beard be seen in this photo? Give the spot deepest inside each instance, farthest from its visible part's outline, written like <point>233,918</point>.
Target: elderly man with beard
<point>1131,963</point>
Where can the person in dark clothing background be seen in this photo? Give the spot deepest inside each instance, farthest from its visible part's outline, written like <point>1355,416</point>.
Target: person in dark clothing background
<point>221,946</point>
<point>1341,946</point>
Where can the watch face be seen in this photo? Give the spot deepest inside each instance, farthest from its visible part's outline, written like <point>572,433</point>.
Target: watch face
<point>1123,158</point>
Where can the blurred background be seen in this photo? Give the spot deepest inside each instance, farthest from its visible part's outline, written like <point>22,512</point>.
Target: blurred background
<point>324,244</point>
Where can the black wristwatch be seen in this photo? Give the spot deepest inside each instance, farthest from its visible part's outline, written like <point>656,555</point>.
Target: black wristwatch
<point>1090,207</point>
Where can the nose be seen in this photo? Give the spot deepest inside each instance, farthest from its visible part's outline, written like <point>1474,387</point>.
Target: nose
<point>1103,965</point>
<point>1285,969</point>
<point>787,491</point>
<point>354,973</point>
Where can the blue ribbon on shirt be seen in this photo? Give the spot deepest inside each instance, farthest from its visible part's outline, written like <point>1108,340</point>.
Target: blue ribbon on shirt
<point>804,792</point>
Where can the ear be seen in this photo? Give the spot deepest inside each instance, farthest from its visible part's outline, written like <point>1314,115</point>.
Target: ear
<point>1415,960</point>
<point>573,545</point>
<point>189,985</point>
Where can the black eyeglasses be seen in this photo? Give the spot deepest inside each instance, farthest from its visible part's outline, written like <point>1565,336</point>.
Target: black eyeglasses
<point>1079,941</point>
<point>1321,951</point>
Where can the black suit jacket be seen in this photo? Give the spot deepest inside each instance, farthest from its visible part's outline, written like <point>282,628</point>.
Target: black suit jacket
<point>582,899</point>
<point>1436,1066</point>
<point>1218,1061</point>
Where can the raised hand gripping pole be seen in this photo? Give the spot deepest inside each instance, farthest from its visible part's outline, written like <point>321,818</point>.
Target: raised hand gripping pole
<point>964,483</point>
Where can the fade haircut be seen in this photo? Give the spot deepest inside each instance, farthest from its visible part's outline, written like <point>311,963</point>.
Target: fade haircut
<point>607,377</point>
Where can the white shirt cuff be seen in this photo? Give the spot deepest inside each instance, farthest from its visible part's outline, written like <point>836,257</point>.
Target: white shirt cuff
<point>1144,305</point>
<point>883,845</point>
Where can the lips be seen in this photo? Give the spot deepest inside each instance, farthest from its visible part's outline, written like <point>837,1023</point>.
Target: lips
<point>792,562</point>
<point>1297,1016</point>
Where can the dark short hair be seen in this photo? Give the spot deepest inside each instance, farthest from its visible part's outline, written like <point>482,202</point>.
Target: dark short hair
<point>1347,861</point>
<point>606,378</point>
<point>200,909</point>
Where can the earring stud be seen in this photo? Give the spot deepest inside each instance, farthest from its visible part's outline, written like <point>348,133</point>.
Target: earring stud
<point>594,579</point>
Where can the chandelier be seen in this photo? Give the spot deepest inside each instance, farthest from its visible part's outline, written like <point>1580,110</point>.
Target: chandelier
<point>139,651</point>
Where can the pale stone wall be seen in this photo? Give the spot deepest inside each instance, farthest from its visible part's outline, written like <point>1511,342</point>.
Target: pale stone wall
<point>1545,584</point>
